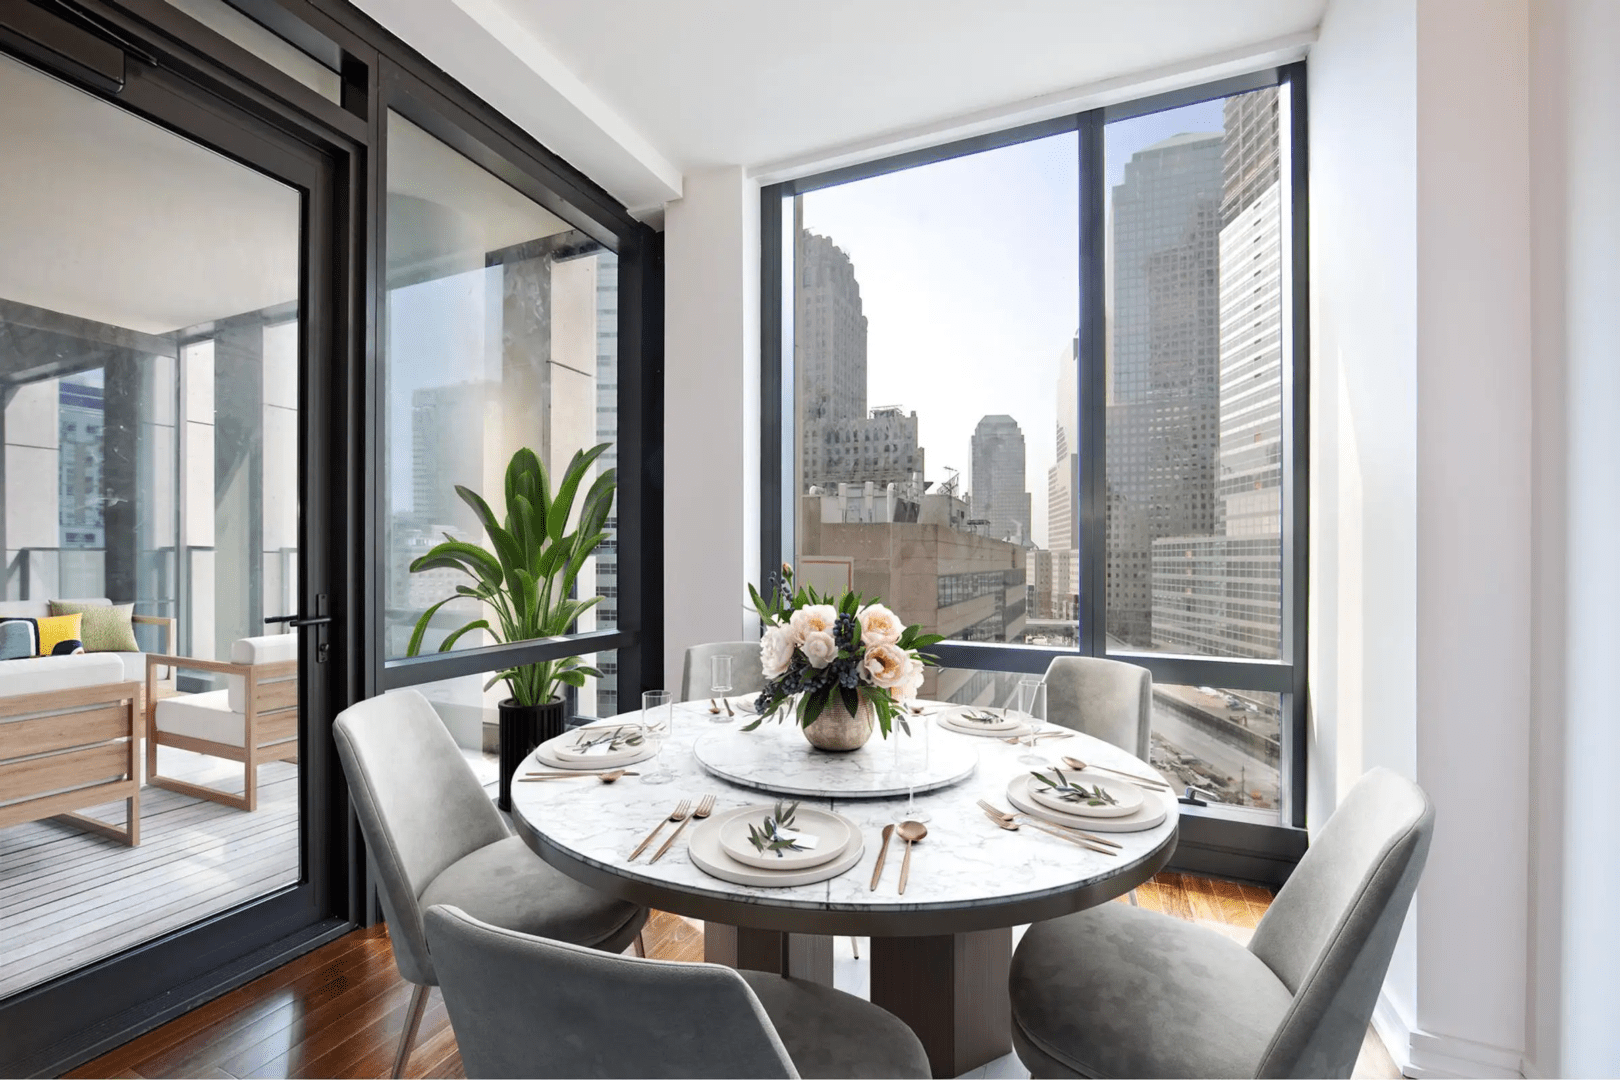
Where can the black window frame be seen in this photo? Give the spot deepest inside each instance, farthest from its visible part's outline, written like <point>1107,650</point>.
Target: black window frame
<point>1228,841</point>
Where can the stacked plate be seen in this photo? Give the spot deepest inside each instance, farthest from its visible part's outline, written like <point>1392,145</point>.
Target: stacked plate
<point>1109,805</point>
<point>600,746</point>
<point>973,721</point>
<point>735,846</point>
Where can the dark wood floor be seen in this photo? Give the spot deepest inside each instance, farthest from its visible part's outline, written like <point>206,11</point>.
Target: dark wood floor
<point>338,1011</point>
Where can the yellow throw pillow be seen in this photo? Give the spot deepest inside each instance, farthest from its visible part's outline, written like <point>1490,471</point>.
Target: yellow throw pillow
<point>58,628</point>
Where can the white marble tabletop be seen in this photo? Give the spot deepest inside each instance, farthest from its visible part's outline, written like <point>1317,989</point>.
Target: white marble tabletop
<point>965,864</point>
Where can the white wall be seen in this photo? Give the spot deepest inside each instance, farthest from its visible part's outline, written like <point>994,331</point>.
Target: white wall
<point>1575,868</point>
<point>711,412</point>
<point>1363,558</point>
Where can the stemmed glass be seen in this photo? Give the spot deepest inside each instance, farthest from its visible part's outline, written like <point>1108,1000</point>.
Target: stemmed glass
<point>911,756</point>
<point>657,714</point>
<point>720,684</point>
<point>1032,703</point>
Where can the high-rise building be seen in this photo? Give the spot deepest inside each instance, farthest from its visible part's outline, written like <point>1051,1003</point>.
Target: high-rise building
<point>80,417</point>
<point>607,430</point>
<point>447,449</point>
<point>1058,582</point>
<point>1222,594</point>
<point>1000,495</point>
<point>1164,366</point>
<point>839,442</point>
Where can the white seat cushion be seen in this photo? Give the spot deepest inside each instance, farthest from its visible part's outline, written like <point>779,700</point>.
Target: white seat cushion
<point>270,649</point>
<point>38,674</point>
<point>134,665</point>
<point>201,716</point>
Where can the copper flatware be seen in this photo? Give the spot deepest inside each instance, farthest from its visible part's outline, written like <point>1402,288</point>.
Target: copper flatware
<point>1012,824</point>
<point>1144,781</point>
<point>704,807</point>
<point>883,853</point>
<point>910,832</point>
<point>678,814</point>
<point>1033,820</point>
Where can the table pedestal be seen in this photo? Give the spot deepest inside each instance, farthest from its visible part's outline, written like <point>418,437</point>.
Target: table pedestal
<point>951,991</point>
<point>803,956</point>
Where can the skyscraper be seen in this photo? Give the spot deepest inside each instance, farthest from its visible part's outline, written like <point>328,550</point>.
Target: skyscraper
<point>1164,367</point>
<point>1000,495</point>
<point>1222,593</point>
<point>447,449</point>
<point>838,441</point>
<point>1057,570</point>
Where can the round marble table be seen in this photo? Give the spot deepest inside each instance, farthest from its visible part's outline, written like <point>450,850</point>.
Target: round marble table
<point>939,953</point>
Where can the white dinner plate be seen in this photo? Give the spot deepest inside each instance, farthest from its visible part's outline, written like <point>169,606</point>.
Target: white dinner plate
<point>1008,720</point>
<point>830,832</point>
<point>1154,809</point>
<point>1126,795</point>
<point>563,753</point>
<point>706,854</point>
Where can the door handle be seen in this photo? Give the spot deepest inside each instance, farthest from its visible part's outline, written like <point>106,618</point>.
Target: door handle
<point>321,620</point>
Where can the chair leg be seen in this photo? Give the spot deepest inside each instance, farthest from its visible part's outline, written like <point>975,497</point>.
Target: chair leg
<point>639,945</point>
<point>413,1020</point>
<point>1132,896</point>
<point>855,947</point>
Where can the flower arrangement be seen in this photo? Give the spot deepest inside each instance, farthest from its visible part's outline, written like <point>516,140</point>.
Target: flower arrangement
<point>818,646</point>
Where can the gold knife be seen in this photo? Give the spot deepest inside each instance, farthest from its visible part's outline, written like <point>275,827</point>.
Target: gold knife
<point>883,853</point>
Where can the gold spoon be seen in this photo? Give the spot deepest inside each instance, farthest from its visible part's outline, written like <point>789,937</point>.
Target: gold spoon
<point>910,832</point>
<point>1147,782</point>
<point>883,853</point>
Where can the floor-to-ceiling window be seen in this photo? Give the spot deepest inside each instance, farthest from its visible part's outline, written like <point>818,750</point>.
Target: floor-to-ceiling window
<point>1043,393</point>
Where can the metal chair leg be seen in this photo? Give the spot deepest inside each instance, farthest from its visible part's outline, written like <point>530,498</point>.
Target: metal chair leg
<point>413,1020</point>
<point>855,946</point>
<point>1132,896</point>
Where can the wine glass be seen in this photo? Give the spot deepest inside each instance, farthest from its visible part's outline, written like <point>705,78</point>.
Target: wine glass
<point>1032,703</point>
<point>720,684</point>
<point>657,714</point>
<point>911,756</point>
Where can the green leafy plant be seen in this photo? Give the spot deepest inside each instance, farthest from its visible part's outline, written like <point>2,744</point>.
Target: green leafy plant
<point>769,838</point>
<point>527,578</point>
<point>1068,791</point>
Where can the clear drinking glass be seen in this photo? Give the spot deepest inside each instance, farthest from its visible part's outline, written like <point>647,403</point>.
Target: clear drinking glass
<point>911,753</point>
<point>720,684</point>
<point>1032,703</point>
<point>657,715</point>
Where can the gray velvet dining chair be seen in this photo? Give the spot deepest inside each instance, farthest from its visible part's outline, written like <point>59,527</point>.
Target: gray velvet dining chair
<point>1119,991</point>
<point>747,675</point>
<point>524,1006</point>
<point>1108,699</point>
<point>433,836</point>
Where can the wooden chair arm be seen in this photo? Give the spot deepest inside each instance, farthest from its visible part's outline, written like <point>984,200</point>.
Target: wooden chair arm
<point>166,621</point>
<point>193,664</point>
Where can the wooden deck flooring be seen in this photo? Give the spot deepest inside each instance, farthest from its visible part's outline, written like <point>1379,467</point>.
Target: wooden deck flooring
<point>69,898</point>
<point>337,1011</point>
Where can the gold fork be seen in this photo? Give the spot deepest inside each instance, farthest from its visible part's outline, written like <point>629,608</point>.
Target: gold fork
<point>679,814</point>
<point>1011,823</point>
<point>705,806</point>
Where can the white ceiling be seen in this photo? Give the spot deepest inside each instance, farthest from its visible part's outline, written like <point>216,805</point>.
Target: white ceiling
<point>684,85</point>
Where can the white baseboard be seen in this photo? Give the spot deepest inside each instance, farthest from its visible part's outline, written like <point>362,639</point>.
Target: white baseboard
<point>1421,1055</point>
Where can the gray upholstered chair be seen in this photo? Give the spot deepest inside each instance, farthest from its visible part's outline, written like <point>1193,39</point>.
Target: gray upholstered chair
<point>524,1006</point>
<point>1110,700</point>
<point>747,676</point>
<point>434,837</point>
<point>1118,991</point>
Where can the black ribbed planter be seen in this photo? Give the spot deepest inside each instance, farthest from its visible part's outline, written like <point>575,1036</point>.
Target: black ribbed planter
<point>524,727</point>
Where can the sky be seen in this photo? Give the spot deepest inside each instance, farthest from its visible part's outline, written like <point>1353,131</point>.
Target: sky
<point>969,280</point>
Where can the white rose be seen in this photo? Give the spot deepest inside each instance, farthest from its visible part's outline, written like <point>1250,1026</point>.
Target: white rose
<point>819,648</point>
<point>776,651</point>
<point>907,688</point>
<point>885,665</point>
<point>813,618</point>
<point>879,625</point>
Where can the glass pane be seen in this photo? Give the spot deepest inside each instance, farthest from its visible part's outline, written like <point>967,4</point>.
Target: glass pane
<point>149,450</point>
<point>934,392</point>
<point>225,20</point>
<point>1223,742</point>
<point>502,334</point>
<point>1194,424</point>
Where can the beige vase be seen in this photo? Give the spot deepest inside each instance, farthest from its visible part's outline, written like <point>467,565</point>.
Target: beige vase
<point>836,730</point>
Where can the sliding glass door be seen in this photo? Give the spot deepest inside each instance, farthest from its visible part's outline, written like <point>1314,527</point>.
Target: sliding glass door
<point>164,791</point>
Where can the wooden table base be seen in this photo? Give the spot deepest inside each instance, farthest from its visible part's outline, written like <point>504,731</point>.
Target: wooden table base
<point>950,990</point>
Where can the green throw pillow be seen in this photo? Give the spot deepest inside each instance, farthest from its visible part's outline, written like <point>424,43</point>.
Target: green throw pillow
<point>106,627</point>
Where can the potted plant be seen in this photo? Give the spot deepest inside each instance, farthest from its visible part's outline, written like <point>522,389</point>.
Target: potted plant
<point>851,664</point>
<point>526,583</point>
